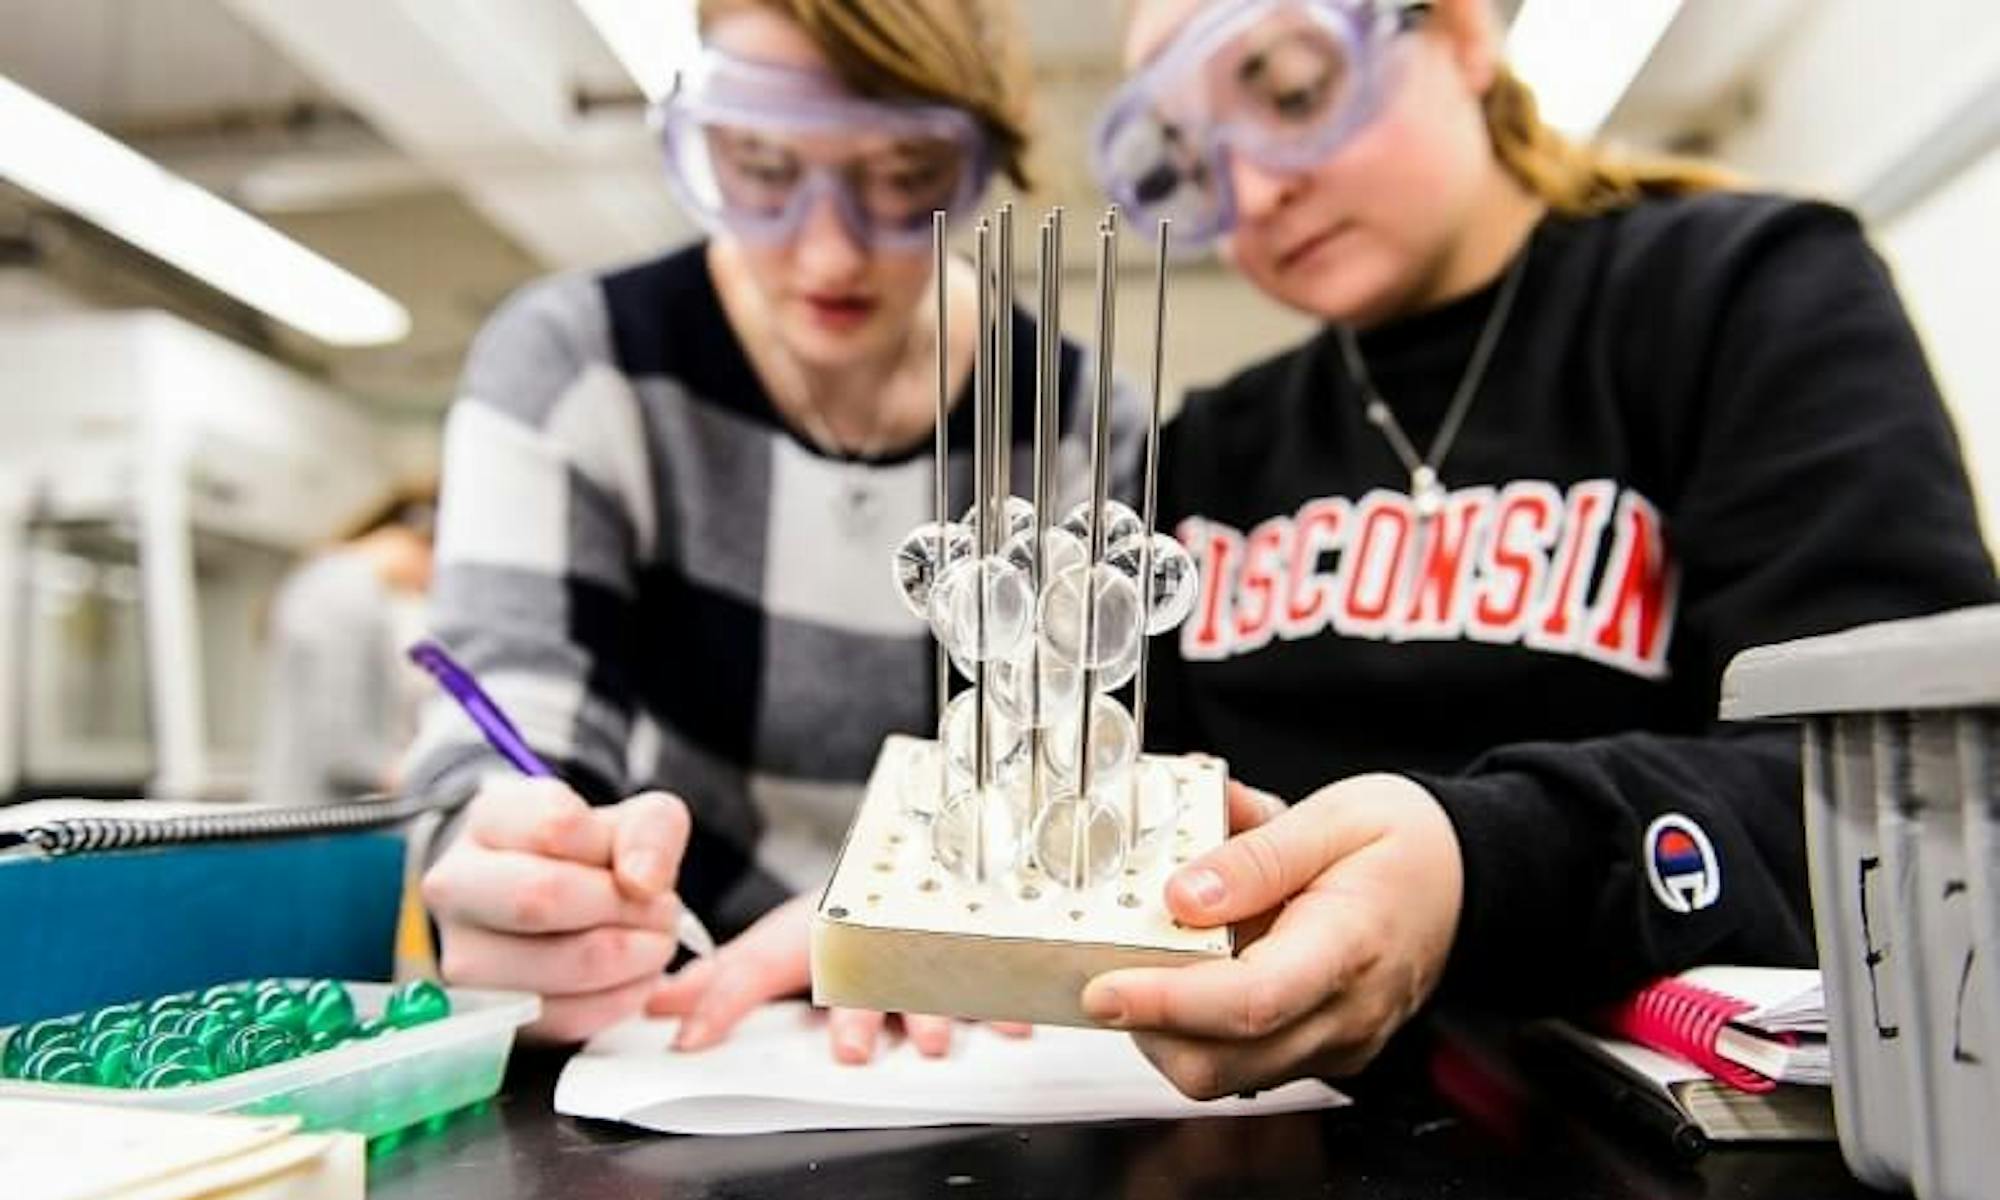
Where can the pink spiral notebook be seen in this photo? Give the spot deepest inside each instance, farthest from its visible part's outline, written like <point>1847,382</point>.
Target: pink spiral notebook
<point>1751,1028</point>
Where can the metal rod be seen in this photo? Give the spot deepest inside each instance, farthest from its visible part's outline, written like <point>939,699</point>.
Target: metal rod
<point>1048,417</point>
<point>1048,336</point>
<point>941,464</point>
<point>1003,366</point>
<point>981,518</point>
<point>1150,499</point>
<point>1100,467</point>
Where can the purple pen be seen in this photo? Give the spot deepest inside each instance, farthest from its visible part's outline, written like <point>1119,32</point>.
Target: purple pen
<point>500,733</point>
<point>462,687</point>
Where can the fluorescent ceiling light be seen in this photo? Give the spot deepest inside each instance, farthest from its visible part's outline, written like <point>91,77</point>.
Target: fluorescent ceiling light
<point>1580,55</point>
<point>652,38</point>
<point>73,165</point>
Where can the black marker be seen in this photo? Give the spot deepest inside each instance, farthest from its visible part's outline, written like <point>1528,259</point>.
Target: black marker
<point>1633,1103</point>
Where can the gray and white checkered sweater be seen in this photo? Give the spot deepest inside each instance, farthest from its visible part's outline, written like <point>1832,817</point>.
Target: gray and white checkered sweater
<point>666,587</point>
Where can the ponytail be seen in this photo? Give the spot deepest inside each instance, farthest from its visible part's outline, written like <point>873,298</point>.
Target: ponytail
<point>1576,179</point>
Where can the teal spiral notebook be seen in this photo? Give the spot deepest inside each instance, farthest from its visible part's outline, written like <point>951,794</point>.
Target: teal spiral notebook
<point>97,926</point>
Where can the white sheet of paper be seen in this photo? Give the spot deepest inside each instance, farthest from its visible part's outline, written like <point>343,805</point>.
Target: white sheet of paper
<point>1788,999</point>
<point>56,1151</point>
<point>776,1073</point>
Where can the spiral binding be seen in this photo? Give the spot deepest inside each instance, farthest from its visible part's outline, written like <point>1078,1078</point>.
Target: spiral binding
<point>1683,1019</point>
<point>82,835</point>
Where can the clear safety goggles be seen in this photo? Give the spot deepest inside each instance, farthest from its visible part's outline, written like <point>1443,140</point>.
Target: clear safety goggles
<point>753,148</point>
<point>1284,83</point>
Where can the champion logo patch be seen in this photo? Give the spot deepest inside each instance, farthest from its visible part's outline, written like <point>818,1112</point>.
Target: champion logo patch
<point>1681,864</point>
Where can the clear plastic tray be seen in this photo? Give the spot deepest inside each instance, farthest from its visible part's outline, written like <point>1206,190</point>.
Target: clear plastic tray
<point>371,1087</point>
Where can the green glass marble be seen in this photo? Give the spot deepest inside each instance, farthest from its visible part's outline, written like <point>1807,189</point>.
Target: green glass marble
<point>233,1008</point>
<point>284,1008</point>
<point>60,1063</point>
<point>209,996</point>
<point>169,1047</point>
<point>104,1041</point>
<point>417,1002</point>
<point>258,1046</point>
<point>128,1017</point>
<point>168,1075</point>
<point>325,1039</point>
<point>212,1031</point>
<point>170,1020</point>
<point>53,1031</point>
<point>329,1009</point>
<point>117,1063</point>
<point>181,1000</point>
<point>374,1027</point>
<point>13,1056</point>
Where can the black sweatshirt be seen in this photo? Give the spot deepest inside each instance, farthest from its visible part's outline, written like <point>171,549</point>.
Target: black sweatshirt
<point>1707,426</point>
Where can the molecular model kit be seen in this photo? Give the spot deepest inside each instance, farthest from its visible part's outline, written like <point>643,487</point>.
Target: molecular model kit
<point>992,872</point>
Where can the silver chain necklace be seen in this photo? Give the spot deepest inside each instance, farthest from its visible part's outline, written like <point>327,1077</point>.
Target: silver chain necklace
<point>857,507</point>
<point>1427,491</point>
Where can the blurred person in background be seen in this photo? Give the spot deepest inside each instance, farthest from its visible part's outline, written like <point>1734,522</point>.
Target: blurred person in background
<point>341,702</point>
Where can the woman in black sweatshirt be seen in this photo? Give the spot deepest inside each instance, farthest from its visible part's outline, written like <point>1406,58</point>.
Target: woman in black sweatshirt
<point>1475,555</point>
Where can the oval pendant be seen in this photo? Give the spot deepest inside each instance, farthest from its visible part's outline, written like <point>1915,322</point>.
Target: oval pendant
<point>859,511</point>
<point>1427,493</point>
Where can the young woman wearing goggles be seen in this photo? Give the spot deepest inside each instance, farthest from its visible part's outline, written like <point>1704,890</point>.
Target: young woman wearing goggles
<point>669,494</point>
<point>1475,555</point>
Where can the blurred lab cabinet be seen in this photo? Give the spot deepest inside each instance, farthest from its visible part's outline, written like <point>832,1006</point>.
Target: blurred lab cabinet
<point>156,484</point>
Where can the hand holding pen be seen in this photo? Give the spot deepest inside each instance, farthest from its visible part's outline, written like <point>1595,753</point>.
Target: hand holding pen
<point>541,892</point>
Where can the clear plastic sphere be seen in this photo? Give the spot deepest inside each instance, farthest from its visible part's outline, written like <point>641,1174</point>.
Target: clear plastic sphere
<point>1119,671</point>
<point>1016,515</point>
<point>924,784</point>
<point>1122,523</point>
<point>1153,805</point>
<point>1174,579</point>
<point>1079,841</point>
<point>1061,549</point>
<point>1114,744</point>
<point>966,668</point>
<point>1114,625</point>
<point>923,558</point>
<point>1013,683</point>
<point>982,608</point>
<point>958,733</point>
<point>978,836</point>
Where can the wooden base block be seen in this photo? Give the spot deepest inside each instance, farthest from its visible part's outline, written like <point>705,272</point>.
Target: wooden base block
<point>897,932</point>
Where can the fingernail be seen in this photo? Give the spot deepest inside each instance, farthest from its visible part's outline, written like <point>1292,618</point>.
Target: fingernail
<point>647,869</point>
<point>1205,886</point>
<point>853,1048</point>
<point>693,1033</point>
<point>1105,1006</point>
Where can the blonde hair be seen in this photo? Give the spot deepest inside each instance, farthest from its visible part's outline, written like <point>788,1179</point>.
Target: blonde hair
<point>1578,179</point>
<point>969,54</point>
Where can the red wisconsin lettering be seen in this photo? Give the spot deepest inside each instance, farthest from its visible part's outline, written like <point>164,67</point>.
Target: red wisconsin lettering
<point>1218,548</point>
<point>1636,594</point>
<point>1435,605</point>
<point>1320,526</point>
<point>1583,527</point>
<point>1263,571</point>
<point>1516,557</point>
<point>1373,566</point>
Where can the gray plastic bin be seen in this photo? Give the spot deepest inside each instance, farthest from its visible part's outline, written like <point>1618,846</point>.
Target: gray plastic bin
<point>1902,806</point>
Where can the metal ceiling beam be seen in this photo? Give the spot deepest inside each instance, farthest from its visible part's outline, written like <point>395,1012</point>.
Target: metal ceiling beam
<point>475,91</point>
